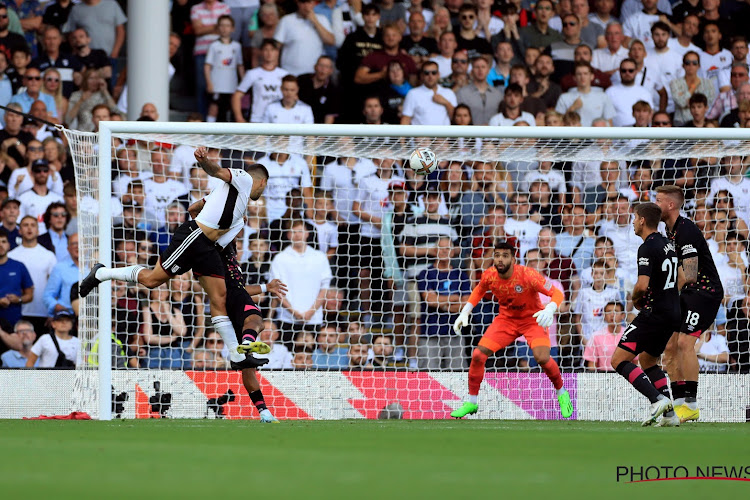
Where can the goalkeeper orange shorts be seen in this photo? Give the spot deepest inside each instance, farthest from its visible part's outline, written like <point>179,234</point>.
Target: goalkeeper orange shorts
<point>504,331</point>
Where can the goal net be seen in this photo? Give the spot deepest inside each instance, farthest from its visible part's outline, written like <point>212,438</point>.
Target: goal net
<point>379,261</point>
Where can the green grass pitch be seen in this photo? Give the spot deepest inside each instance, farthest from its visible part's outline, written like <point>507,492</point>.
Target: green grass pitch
<point>471,459</point>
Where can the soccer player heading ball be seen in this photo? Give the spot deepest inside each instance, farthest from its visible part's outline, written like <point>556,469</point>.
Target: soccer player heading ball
<point>517,289</point>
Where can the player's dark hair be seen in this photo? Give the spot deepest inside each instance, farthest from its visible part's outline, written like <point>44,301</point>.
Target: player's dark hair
<point>257,171</point>
<point>650,212</point>
<point>673,191</point>
<point>505,245</point>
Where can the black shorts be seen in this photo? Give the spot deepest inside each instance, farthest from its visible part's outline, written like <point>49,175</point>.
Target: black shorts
<point>698,311</point>
<point>648,333</point>
<point>240,305</point>
<point>191,249</point>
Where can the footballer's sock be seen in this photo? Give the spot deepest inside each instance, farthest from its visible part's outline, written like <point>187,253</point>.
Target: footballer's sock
<point>553,372</point>
<point>678,392</point>
<point>639,380</point>
<point>476,372</point>
<point>249,336</point>
<point>129,274</point>
<point>223,325</point>
<point>257,398</point>
<point>659,380</point>
<point>691,394</point>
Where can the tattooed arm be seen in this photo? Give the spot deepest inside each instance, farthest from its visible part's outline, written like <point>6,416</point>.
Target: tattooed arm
<point>690,268</point>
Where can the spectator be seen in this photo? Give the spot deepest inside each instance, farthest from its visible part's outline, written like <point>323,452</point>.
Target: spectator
<point>499,75</point>
<point>19,62</point>
<point>16,358</point>
<point>444,289</point>
<point>265,82</point>
<point>519,74</point>
<point>467,37</point>
<point>55,239</point>
<point>82,102</point>
<point>520,224</point>
<point>286,172</point>
<point>9,212</point>
<point>592,34</point>
<point>222,70</point>
<point>440,24</point>
<point>358,45</point>
<point>419,46</point>
<point>160,190</point>
<point>713,57</point>
<point>447,49</point>
<point>726,103</point>
<point>57,12</point>
<point>479,96</point>
<point>22,179</point>
<point>598,352</point>
<point>302,360</point>
<point>638,25</point>
<point>164,331</point>
<point>57,349</point>
<point>374,67</point>
<point>35,201</point>
<point>608,59</point>
<point>52,57</point>
<point>713,352</point>
<point>327,231</point>
<point>664,61</point>
<point>64,275</point>
<point>618,228</point>
<point>646,75</point>
<point>329,354</point>
<point>428,104</point>
<point>267,19</point>
<point>563,51</point>
<point>103,21</point>
<point>382,349</point>
<point>558,268</point>
<point>542,87</point>
<point>553,177</point>
<point>303,35</point>
<point>318,90</point>
<point>575,242</point>
<point>459,76</point>
<point>589,102</point>
<point>279,357</point>
<point>302,307</point>
<point>511,113</point>
<point>642,114</point>
<point>463,205</point>
<point>289,109</point>
<point>691,83</point>
<point>392,92</point>
<point>539,33</point>
<point>33,84</point>
<point>89,57</point>
<point>588,310</point>
<point>734,181</point>
<point>358,355</point>
<point>16,285</point>
<point>13,140</point>
<point>698,107</point>
<point>9,41</point>
<point>626,93</point>
<point>204,17</point>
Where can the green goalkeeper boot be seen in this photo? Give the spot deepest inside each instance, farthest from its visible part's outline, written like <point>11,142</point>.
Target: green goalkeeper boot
<point>566,406</point>
<point>466,409</point>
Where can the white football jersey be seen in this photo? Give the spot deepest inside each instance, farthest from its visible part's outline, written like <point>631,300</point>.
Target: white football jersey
<point>226,205</point>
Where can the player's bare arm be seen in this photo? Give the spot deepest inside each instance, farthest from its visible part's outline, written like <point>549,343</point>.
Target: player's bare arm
<point>690,269</point>
<point>211,167</point>
<point>640,289</point>
<point>275,287</point>
<point>196,208</point>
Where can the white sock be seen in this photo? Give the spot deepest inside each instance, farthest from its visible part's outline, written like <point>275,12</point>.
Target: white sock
<point>129,274</point>
<point>560,390</point>
<point>679,401</point>
<point>226,330</point>
<point>693,405</point>
<point>473,398</point>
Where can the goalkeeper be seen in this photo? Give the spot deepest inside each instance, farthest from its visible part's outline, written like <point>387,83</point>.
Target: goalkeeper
<point>245,314</point>
<point>517,289</point>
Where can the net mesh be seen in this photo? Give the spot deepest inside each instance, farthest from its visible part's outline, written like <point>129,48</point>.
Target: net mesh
<point>397,265</point>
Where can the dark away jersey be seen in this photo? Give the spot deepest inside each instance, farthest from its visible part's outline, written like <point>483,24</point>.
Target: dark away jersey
<point>658,260</point>
<point>689,242</point>
<point>233,275</point>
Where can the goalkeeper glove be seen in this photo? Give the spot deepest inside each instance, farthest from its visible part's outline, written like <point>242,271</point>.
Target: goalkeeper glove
<point>463,319</point>
<point>545,316</point>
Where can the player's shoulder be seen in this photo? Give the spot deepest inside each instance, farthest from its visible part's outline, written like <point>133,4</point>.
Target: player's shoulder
<point>489,273</point>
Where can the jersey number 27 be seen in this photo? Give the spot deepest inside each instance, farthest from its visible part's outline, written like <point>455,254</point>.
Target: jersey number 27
<point>670,267</point>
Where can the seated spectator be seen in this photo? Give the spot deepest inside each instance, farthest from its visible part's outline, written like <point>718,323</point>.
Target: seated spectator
<point>558,267</point>
<point>510,109</point>
<point>590,303</point>
<point>57,349</point>
<point>332,303</point>
<point>683,88</point>
<point>598,352</point>
<point>302,360</point>
<point>732,120</point>
<point>211,357</point>
<point>608,188</point>
<point>713,352</point>
<point>304,341</point>
<point>82,102</point>
<point>22,179</point>
<point>589,102</point>
<point>358,355</point>
<point>374,67</point>
<point>17,358</point>
<point>698,108</point>
<point>329,355</point>
<point>279,357</point>
<point>443,290</point>
<point>164,332</point>
<point>382,349</point>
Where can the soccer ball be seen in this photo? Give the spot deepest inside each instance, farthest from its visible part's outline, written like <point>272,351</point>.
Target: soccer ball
<point>423,161</point>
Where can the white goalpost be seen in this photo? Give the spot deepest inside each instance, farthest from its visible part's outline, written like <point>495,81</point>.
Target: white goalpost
<point>381,344</point>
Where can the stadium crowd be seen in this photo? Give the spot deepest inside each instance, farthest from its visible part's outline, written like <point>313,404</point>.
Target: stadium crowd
<point>389,256</point>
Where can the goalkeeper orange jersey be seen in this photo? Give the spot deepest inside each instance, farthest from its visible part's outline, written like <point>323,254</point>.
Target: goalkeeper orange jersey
<point>519,295</point>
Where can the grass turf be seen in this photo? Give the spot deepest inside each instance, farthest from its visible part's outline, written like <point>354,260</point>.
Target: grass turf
<point>359,459</point>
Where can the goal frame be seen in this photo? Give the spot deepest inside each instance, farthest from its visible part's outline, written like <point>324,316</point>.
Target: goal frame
<point>108,128</point>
